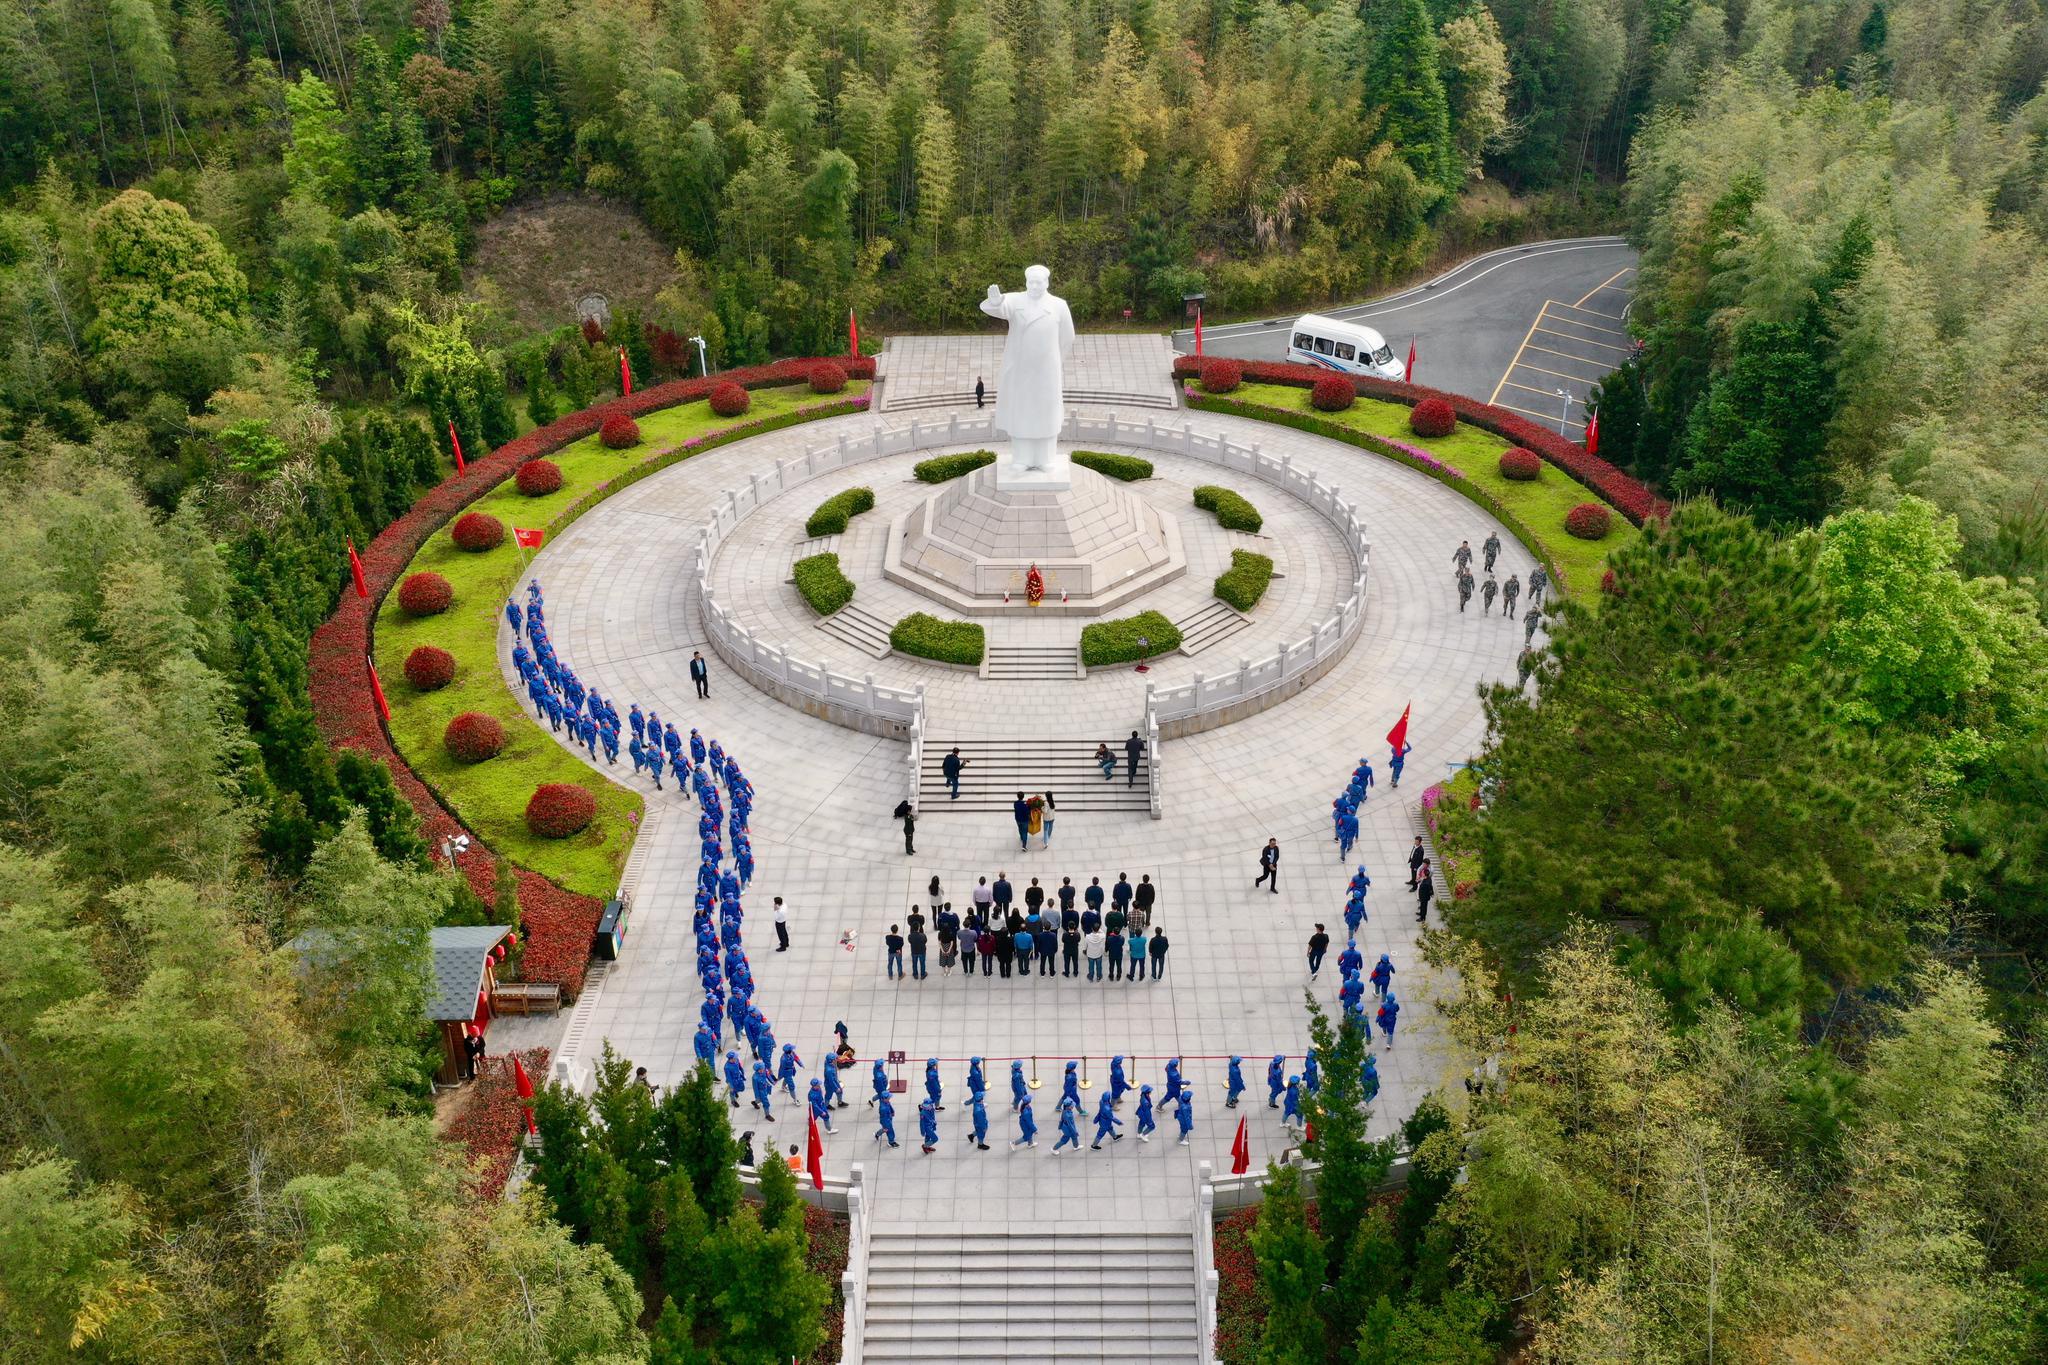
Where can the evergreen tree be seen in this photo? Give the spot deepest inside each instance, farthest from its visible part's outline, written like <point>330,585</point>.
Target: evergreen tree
<point>696,1136</point>
<point>1402,80</point>
<point>680,1229</point>
<point>1291,1273</point>
<point>769,1308</point>
<point>782,1207</point>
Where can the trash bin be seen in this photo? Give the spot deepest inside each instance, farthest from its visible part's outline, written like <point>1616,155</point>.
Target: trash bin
<point>610,938</point>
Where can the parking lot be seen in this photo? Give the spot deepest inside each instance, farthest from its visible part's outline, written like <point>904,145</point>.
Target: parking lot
<point>1569,348</point>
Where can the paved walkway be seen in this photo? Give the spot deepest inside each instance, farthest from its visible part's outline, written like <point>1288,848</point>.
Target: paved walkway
<point>623,615</point>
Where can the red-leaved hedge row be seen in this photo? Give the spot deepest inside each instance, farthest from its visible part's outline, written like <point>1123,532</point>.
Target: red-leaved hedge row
<point>558,923</point>
<point>492,1121</point>
<point>1630,497</point>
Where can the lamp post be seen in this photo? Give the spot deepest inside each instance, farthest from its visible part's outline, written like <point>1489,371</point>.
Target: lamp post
<point>1566,418</point>
<point>703,365</point>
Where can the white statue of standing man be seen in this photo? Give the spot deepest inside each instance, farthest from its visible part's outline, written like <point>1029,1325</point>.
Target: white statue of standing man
<point>1029,407</point>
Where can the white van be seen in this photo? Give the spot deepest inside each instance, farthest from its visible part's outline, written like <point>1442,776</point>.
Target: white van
<point>1344,346</point>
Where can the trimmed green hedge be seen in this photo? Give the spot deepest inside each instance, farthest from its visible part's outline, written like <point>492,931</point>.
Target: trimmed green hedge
<point>1122,468</point>
<point>834,512</point>
<point>1232,512</point>
<point>948,642</point>
<point>940,468</point>
<point>1244,582</point>
<point>1116,642</point>
<point>823,586</point>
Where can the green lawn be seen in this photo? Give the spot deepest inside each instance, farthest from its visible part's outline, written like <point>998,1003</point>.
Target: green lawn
<point>1540,505</point>
<point>491,796</point>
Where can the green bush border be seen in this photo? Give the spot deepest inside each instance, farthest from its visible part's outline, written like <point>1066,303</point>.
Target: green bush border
<point>830,516</point>
<point>1116,642</point>
<point>1233,511</point>
<point>1122,468</point>
<point>1246,580</point>
<point>925,636</point>
<point>941,468</point>
<point>824,588</point>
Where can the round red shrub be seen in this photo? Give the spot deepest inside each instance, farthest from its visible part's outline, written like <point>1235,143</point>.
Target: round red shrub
<point>1221,376</point>
<point>730,400</point>
<point>1520,464</point>
<point>1432,417</point>
<point>477,532</point>
<point>430,668</point>
<point>424,594</point>
<point>619,432</point>
<point>1332,393</point>
<point>827,377</point>
<point>559,809</point>
<point>538,478</point>
<point>473,737</point>
<point>1589,521</point>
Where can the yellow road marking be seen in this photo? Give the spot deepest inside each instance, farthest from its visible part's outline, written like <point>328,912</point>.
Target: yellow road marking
<point>1518,351</point>
<point>1582,359</point>
<point>1547,393</point>
<point>1588,341</point>
<point>1589,326</point>
<point>1559,374</point>
<point>1604,283</point>
<point>1545,417</point>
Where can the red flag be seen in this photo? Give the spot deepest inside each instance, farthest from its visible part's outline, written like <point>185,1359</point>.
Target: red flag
<point>1241,1149</point>
<point>528,538</point>
<point>531,1126</point>
<point>521,1079</point>
<point>1593,434</point>
<point>355,568</point>
<point>1198,331</point>
<point>852,335</point>
<point>1398,736</point>
<point>456,441</point>
<point>625,375</point>
<point>817,1164</point>
<point>377,691</point>
<point>1308,1131</point>
<point>1408,375</point>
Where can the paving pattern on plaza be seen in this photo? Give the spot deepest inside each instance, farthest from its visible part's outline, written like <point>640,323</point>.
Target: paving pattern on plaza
<point>623,610</point>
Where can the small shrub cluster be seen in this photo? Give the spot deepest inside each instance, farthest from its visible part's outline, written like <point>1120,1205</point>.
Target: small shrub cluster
<point>473,737</point>
<point>1521,464</point>
<point>619,432</point>
<point>1245,581</point>
<point>1232,512</point>
<point>430,668</point>
<point>424,594</point>
<point>477,532</point>
<point>940,468</point>
<point>559,809</point>
<point>823,586</point>
<point>1432,417</point>
<point>948,642</point>
<point>1122,468</point>
<point>538,478</point>
<point>1589,521</point>
<point>834,512</point>
<point>1116,642</point>
<point>827,377</point>
<point>1221,376</point>
<point>1332,393</point>
<point>730,400</point>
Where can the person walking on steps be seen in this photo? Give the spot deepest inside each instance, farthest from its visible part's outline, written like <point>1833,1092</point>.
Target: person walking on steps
<point>1134,749</point>
<point>980,392</point>
<point>1269,865</point>
<point>951,766</point>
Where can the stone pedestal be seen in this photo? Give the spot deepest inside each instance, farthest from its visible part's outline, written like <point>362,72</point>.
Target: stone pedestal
<point>973,540</point>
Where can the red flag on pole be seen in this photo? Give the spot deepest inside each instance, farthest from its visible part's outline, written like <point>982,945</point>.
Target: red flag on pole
<point>625,375</point>
<point>1408,375</point>
<point>1198,331</point>
<point>852,335</point>
<point>1398,736</point>
<point>1241,1149</point>
<point>1593,434</point>
<point>456,441</point>
<point>355,568</point>
<point>528,538</point>
<point>377,691</point>
<point>521,1079</point>
<point>817,1158</point>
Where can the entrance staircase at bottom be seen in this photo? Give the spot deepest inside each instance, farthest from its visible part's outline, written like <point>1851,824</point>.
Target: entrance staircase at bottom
<point>1104,1295</point>
<point>997,769</point>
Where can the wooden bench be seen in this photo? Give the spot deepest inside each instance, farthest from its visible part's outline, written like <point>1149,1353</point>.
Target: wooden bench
<point>526,997</point>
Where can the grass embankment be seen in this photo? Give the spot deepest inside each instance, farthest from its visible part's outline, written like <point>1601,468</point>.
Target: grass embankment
<point>490,797</point>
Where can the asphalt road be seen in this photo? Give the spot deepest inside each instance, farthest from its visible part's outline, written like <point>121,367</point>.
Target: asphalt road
<point>1511,326</point>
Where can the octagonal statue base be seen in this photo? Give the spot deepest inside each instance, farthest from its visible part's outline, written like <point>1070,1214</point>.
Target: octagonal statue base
<point>972,541</point>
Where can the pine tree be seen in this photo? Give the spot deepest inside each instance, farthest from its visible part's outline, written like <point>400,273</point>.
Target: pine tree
<point>680,1229</point>
<point>1291,1273</point>
<point>1402,79</point>
<point>696,1136</point>
<point>769,1307</point>
<point>782,1207</point>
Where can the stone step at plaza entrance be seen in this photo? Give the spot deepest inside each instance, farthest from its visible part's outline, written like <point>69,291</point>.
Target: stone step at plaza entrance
<point>1209,624</point>
<point>1016,1296</point>
<point>863,630</point>
<point>1026,663</point>
<point>998,769</point>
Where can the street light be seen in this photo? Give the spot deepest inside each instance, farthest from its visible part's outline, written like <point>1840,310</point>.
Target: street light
<point>703,365</point>
<point>1566,418</point>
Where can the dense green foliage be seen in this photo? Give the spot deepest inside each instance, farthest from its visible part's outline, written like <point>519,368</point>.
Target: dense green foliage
<point>941,468</point>
<point>930,637</point>
<point>1245,581</point>
<point>831,515</point>
<point>1123,468</point>
<point>1233,511</point>
<point>821,583</point>
<point>1127,639</point>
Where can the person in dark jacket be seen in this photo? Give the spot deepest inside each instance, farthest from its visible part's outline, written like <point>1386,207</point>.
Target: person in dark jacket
<point>1134,749</point>
<point>1158,954</point>
<point>1146,895</point>
<point>1269,865</point>
<point>1048,941</point>
<point>1006,951</point>
<point>1318,944</point>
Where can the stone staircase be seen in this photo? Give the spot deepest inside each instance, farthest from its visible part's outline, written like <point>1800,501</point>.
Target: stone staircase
<point>997,769</point>
<point>1032,663</point>
<point>1212,623</point>
<point>1102,1295</point>
<point>863,630</point>
<point>964,398</point>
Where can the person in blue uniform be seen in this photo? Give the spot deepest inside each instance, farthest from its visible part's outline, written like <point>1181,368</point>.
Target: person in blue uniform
<point>1276,1072</point>
<point>977,1112</point>
<point>1383,975</point>
<point>512,614</point>
<point>735,1077</point>
<point>1290,1111</point>
<point>1106,1123</point>
<point>1119,1084</point>
<point>1020,1094</point>
<point>764,1092</point>
<point>887,1115</point>
<point>1070,1126</point>
<point>1172,1080</point>
<point>1350,961</point>
<point>1184,1113</point>
<point>1027,1126</point>
<point>1311,1073</point>
<point>977,1084</point>
<point>821,1108</point>
<point>881,1082</point>
<point>1235,1081</point>
<point>834,1090</point>
<point>1146,1127</point>
<point>707,1043</point>
<point>1369,1075</point>
<point>928,1126</point>
<point>932,1090</point>
<point>1389,1015</point>
<point>636,722</point>
<point>787,1071</point>
<point>1070,1086</point>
